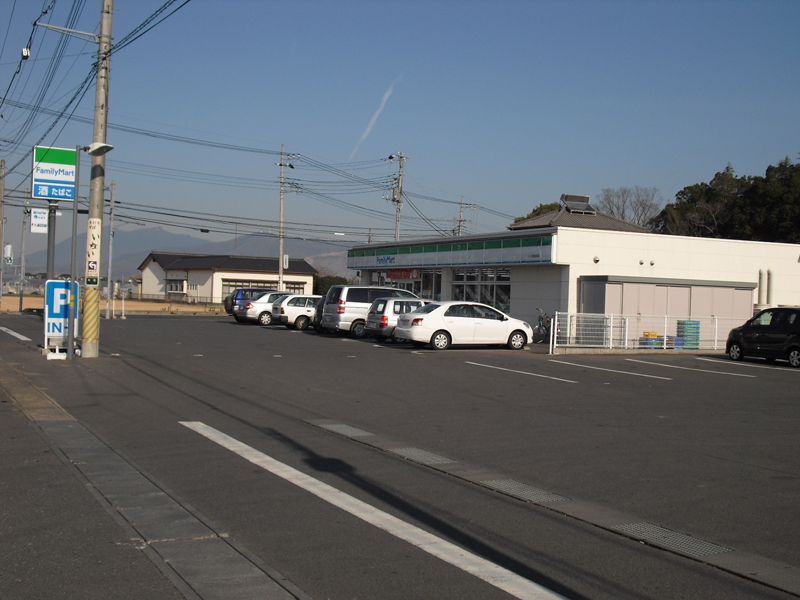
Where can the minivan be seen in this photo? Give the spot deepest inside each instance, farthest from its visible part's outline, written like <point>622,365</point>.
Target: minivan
<point>773,333</point>
<point>239,295</point>
<point>346,306</point>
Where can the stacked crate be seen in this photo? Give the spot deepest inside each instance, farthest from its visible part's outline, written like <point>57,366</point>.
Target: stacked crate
<point>649,339</point>
<point>688,334</point>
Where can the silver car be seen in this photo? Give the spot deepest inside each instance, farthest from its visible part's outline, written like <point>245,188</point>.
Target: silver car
<point>382,316</point>
<point>295,310</point>
<point>258,308</point>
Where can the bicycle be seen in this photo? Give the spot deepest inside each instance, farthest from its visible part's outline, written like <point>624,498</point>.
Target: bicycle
<point>542,330</point>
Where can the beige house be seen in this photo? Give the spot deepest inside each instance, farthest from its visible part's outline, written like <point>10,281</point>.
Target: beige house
<point>211,277</point>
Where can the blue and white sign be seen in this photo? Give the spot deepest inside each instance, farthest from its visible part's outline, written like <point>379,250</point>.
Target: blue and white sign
<point>53,175</point>
<point>56,312</point>
<point>39,220</point>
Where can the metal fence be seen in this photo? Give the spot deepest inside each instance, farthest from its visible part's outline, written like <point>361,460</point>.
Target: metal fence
<point>634,332</point>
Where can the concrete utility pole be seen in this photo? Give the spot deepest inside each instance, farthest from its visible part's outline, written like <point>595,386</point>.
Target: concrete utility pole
<point>22,251</point>
<point>2,222</point>
<point>110,288</point>
<point>283,164</point>
<point>90,347</point>
<point>52,207</point>
<point>397,194</point>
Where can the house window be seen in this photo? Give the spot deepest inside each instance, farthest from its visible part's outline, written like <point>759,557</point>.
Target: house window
<point>176,286</point>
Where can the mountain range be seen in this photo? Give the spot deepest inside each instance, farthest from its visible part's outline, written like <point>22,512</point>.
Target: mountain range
<point>131,248</point>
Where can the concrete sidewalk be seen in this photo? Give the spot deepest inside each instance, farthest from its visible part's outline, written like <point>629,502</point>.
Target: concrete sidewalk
<point>80,520</point>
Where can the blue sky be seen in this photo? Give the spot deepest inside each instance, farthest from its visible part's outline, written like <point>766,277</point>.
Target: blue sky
<point>507,104</point>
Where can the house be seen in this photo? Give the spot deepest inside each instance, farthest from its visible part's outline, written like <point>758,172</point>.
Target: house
<point>211,277</point>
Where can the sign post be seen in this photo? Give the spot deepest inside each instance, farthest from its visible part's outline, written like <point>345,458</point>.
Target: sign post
<point>57,301</point>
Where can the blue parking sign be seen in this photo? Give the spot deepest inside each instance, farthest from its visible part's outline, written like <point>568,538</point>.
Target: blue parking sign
<point>57,301</point>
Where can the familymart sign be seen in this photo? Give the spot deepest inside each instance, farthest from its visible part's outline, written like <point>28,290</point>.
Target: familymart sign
<point>53,173</point>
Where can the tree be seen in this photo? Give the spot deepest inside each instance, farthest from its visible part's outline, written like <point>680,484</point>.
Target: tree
<point>757,208</point>
<point>540,210</point>
<point>324,280</point>
<point>638,205</point>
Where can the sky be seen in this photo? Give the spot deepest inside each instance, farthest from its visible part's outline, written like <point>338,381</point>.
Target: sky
<point>502,105</point>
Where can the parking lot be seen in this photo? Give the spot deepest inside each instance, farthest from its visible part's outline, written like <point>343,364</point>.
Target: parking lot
<point>589,476</point>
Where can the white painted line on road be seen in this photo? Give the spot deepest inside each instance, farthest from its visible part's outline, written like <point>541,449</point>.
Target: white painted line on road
<point>645,362</point>
<point>19,336</point>
<point>563,362</point>
<point>510,582</point>
<point>737,364</point>
<point>520,372</point>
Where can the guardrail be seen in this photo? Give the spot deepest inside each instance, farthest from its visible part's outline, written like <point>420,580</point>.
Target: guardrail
<point>638,332</point>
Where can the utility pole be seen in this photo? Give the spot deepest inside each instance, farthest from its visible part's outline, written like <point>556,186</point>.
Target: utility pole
<point>90,348</point>
<point>22,251</point>
<point>397,194</point>
<point>110,252</point>
<point>461,219</point>
<point>282,164</point>
<point>2,222</point>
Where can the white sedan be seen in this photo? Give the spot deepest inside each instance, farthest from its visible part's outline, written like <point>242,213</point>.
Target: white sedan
<point>441,324</point>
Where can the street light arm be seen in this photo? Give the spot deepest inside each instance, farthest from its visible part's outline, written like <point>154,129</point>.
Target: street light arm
<point>81,35</point>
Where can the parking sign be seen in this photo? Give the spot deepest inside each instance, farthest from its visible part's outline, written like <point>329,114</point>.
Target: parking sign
<point>56,312</point>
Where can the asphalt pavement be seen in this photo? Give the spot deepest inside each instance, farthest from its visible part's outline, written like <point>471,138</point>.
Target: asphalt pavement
<point>99,499</point>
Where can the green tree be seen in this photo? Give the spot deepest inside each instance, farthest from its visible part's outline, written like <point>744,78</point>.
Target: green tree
<point>540,210</point>
<point>324,281</point>
<point>769,210</point>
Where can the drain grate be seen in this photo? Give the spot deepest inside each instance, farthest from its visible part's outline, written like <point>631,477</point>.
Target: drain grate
<point>671,539</point>
<point>346,430</point>
<point>422,456</point>
<point>524,491</point>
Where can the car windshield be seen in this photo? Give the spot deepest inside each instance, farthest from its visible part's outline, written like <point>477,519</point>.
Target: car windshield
<point>257,296</point>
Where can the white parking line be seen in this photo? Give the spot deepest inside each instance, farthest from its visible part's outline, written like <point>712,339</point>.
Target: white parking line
<point>520,372</point>
<point>510,582</point>
<point>748,364</point>
<point>644,362</point>
<point>19,336</point>
<point>563,362</point>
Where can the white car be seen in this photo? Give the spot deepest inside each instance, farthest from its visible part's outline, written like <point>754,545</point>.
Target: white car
<point>258,308</point>
<point>441,324</point>
<point>295,311</point>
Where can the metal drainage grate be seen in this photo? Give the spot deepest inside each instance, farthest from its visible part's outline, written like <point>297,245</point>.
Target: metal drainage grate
<point>422,456</point>
<point>671,539</point>
<point>346,430</point>
<point>523,491</point>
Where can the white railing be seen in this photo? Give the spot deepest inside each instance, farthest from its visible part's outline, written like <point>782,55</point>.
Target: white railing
<point>632,332</point>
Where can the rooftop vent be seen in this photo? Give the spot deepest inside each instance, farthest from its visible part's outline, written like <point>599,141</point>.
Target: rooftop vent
<point>578,205</point>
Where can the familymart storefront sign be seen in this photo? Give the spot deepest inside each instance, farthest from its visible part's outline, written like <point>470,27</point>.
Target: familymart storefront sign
<point>53,175</point>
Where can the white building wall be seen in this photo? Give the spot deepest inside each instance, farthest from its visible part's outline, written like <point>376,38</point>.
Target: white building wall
<point>153,278</point>
<point>269,280</point>
<point>675,257</point>
<point>538,286</point>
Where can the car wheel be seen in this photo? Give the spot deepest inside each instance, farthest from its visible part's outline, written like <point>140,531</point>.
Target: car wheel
<point>440,340</point>
<point>301,323</point>
<point>794,357</point>
<point>735,351</point>
<point>237,319</point>
<point>517,340</point>
<point>265,318</point>
<point>358,330</point>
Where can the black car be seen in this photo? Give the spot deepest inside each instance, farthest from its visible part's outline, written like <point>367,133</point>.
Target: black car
<point>238,295</point>
<point>773,333</point>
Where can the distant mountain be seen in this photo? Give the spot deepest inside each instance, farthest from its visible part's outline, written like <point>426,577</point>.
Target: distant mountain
<point>132,247</point>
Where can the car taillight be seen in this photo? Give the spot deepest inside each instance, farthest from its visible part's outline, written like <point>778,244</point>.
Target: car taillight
<point>340,309</point>
<point>416,322</point>
<point>283,311</point>
<point>249,305</point>
<point>384,321</point>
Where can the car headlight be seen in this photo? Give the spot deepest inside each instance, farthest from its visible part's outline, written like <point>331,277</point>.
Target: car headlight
<point>526,325</point>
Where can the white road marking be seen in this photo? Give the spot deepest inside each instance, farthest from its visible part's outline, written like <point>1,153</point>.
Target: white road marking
<point>737,364</point>
<point>520,372</point>
<point>644,362</point>
<point>510,582</point>
<point>563,362</point>
<point>19,336</point>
